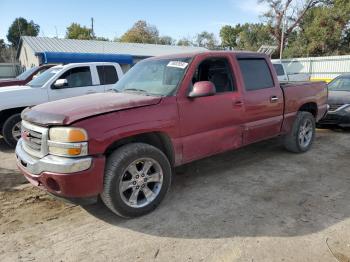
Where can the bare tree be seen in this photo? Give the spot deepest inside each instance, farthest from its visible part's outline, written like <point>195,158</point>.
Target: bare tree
<point>288,14</point>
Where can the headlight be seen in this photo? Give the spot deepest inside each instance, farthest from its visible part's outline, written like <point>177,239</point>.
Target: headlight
<point>68,134</point>
<point>68,141</point>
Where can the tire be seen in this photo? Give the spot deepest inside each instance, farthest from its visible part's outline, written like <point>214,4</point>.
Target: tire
<point>120,200</point>
<point>11,124</point>
<point>293,141</point>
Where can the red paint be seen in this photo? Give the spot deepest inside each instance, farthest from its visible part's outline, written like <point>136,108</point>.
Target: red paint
<point>17,82</point>
<point>83,184</point>
<point>196,127</point>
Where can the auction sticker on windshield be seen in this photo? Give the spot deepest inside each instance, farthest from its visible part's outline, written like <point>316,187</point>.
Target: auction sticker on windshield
<point>177,64</point>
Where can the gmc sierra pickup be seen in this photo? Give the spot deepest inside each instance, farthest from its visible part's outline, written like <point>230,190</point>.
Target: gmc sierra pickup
<point>165,112</point>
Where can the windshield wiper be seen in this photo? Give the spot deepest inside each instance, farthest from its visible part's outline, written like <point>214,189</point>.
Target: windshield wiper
<point>136,90</point>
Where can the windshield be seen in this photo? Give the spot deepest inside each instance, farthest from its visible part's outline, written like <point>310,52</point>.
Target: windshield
<point>44,77</point>
<point>340,84</point>
<point>27,73</point>
<point>154,77</point>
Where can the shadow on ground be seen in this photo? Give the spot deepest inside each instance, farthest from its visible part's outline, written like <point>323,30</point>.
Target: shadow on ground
<point>4,147</point>
<point>258,190</point>
<point>10,178</point>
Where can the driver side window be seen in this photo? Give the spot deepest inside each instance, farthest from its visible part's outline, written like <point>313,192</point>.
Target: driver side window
<point>217,71</point>
<point>78,77</point>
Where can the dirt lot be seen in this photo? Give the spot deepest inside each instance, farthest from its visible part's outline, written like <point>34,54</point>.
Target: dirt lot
<point>259,203</point>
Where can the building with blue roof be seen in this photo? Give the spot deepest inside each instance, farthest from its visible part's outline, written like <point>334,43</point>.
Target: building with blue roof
<point>34,51</point>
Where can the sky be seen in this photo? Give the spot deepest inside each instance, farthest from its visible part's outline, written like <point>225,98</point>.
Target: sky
<point>176,18</point>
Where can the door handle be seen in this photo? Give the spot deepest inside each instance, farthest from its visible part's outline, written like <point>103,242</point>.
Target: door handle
<point>274,99</point>
<point>238,103</point>
<point>91,92</point>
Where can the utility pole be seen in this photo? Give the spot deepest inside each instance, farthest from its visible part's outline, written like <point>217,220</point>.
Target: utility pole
<point>92,28</point>
<point>282,36</point>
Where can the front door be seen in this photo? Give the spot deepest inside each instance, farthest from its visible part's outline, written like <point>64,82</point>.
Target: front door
<point>211,124</point>
<point>80,82</point>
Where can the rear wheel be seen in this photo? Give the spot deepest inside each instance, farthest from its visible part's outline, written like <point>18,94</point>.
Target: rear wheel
<point>137,178</point>
<point>11,130</point>
<point>302,135</point>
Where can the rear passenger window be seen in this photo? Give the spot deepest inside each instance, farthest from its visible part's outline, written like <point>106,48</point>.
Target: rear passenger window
<point>279,69</point>
<point>107,74</point>
<point>256,73</point>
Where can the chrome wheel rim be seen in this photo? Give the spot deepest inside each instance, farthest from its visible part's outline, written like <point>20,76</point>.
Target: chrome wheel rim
<point>305,133</point>
<point>16,131</point>
<point>141,182</point>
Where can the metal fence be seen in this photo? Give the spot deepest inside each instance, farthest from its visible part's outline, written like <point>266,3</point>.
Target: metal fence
<point>320,68</point>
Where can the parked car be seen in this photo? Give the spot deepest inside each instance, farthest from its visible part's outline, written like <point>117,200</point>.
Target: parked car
<point>284,77</point>
<point>56,83</point>
<point>339,103</point>
<point>165,112</point>
<point>26,76</point>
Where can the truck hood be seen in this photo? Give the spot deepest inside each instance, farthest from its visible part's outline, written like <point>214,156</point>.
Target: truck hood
<point>21,96</point>
<point>10,82</point>
<point>67,111</point>
<point>339,97</point>
<point>11,89</point>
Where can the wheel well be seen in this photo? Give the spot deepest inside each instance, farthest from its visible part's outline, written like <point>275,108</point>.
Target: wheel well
<point>310,107</point>
<point>156,139</point>
<point>5,114</point>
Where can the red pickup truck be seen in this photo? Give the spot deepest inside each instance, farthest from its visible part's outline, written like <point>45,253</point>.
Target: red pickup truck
<point>165,112</point>
<point>25,77</point>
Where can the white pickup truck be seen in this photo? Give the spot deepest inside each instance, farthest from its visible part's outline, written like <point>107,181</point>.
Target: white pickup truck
<point>284,77</point>
<point>56,83</point>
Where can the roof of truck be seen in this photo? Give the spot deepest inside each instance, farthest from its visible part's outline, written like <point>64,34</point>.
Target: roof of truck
<point>193,54</point>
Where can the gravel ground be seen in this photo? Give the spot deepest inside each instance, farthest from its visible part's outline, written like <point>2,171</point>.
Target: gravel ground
<point>259,203</point>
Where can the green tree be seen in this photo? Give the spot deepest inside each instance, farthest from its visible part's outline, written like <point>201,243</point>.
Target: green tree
<point>141,32</point>
<point>76,31</point>
<point>323,31</point>
<point>21,27</point>
<point>101,38</point>
<point>207,40</point>
<point>166,40</point>
<point>246,36</point>
<point>184,42</point>
<point>229,35</point>
<point>288,14</point>
<point>2,44</point>
<point>7,53</point>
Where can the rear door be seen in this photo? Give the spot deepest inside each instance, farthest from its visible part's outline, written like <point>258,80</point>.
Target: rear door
<point>210,124</point>
<point>263,99</point>
<point>108,76</point>
<point>80,82</point>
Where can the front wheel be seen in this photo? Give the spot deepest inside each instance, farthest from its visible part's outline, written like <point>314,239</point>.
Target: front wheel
<point>302,135</point>
<point>11,130</point>
<point>137,178</point>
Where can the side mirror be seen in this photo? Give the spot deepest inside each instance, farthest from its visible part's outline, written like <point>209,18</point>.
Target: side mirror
<point>60,83</point>
<point>35,76</point>
<point>202,88</point>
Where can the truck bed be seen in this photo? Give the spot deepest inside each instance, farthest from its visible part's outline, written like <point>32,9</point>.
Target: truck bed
<point>295,93</point>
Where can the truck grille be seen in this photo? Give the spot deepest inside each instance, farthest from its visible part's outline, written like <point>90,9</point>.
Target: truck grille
<point>34,139</point>
<point>335,107</point>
